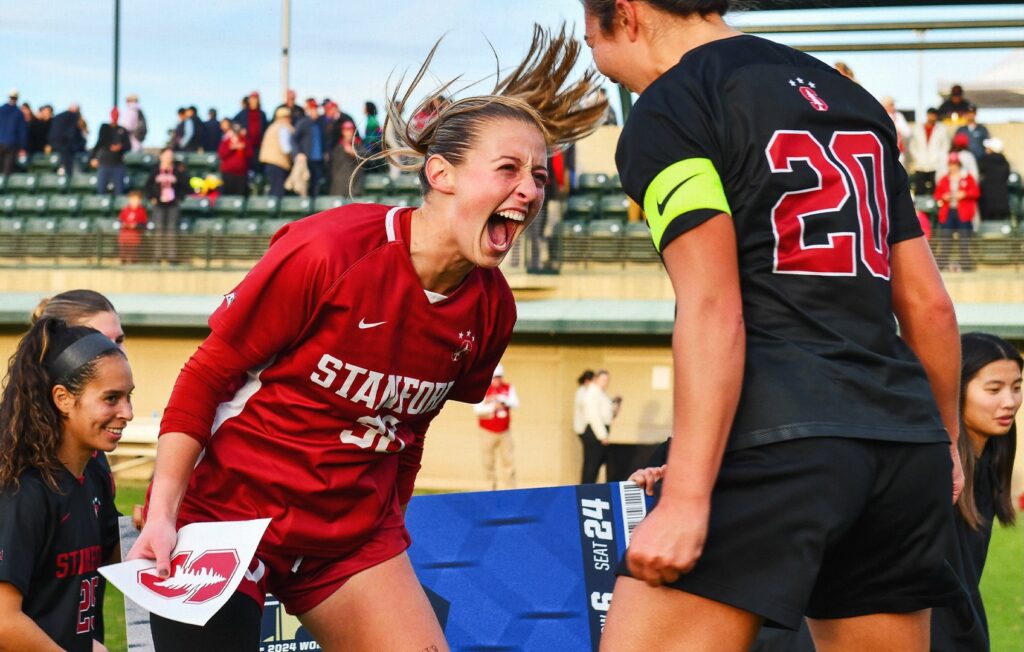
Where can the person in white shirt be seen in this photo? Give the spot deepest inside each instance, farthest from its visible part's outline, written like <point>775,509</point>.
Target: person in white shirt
<point>579,419</point>
<point>598,411</point>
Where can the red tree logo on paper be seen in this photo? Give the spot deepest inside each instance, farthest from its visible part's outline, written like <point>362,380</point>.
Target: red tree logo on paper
<point>196,580</point>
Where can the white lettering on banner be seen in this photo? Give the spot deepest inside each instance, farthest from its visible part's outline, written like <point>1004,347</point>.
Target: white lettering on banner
<point>596,527</point>
<point>600,601</point>
<point>602,560</point>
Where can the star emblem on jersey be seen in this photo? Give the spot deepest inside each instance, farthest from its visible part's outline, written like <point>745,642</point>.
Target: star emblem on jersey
<point>466,342</point>
<point>806,88</point>
<point>193,581</point>
<point>96,506</point>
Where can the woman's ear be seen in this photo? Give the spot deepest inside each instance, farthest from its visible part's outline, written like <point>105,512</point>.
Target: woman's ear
<point>63,399</point>
<point>440,174</point>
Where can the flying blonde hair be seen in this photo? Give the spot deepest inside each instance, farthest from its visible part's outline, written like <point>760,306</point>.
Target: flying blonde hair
<point>538,91</point>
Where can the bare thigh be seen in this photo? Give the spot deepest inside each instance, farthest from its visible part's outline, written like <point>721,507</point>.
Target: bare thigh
<point>644,618</point>
<point>380,608</point>
<point>877,632</point>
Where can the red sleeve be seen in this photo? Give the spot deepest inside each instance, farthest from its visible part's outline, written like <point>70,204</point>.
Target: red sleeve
<point>210,377</point>
<point>274,304</point>
<point>971,191</point>
<point>223,149</point>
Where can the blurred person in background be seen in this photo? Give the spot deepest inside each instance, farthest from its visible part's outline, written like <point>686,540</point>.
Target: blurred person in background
<point>957,196</point>
<point>66,137</point>
<point>494,416</point>
<point>954,107</point>
<point>990,396</point>
<point>234,153</point>
<point>900,123</point>
<point>976,132</point>
<point>308,140</point>
<point>599,409</point>
<point>13,133</point>
<point>39,130</point>
<point>211,132</point>
<point>373,139</point>
<point>994,182</point>
<point>254,121</point>
<point>276,151</point>
<point>294,109</point>
<point>579,416</point>
<point>968,163</point>
<point>929,150</point>
<point>133,218</point>
<point>134,120</point>
<point>107,156</point>
<point>166,187</point>
<point>346,171</point>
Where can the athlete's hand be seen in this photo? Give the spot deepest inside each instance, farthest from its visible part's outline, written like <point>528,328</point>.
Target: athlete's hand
<point>668,542</point>
<point>156,541</point>
<point>98,647</point>
<point>645,478</point>
<point>958,473</point>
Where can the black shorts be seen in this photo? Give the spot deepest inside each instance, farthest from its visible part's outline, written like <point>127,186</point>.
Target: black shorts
<point>828,528</point>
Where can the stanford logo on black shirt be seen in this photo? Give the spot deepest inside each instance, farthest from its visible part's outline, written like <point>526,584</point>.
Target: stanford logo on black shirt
<point>811,95</point>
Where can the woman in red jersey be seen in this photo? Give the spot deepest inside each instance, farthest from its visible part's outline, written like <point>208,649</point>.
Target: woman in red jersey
<point>310,399</point>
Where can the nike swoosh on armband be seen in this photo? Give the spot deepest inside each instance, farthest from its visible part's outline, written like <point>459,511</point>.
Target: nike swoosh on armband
<point>664,202</point>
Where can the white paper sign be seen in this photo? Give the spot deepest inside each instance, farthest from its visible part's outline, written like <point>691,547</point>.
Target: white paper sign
<point>207,566</point>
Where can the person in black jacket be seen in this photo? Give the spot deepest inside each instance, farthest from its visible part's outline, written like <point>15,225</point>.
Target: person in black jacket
<point>166,186</point>
<point>65,136</point>
<point>108,155</point>
<point>994,170</point>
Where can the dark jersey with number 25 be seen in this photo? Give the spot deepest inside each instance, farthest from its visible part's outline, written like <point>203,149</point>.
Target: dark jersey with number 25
<point>805,163</point>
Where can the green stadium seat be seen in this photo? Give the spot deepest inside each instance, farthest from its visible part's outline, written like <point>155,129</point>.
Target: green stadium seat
<point>614,184</point>
<point>51,183</point>
<point>270,227</point>
<point>328,202</point>
<point>30,205</point>
<point>10,236</point>
<point>926,204</point>
<point>106,224</point>
<point>638,246</point>
<point>995,229</point>
<point>40,162</point>
<point>75,238</point>
<point>21,183</point>
<point>64,205</point>
<point>376,185</point>
<point>84,183</point>
<point>570,241</point>
<point>195,207</point>
<point>606,228</point>
<point>139,162</point>
<point>605,242</point>
<point>230,206</point>
<point>119,203</point>
<point>296,207</point>
<point>201,163</point>
<point>243,239</point>
<point>209,225</point>
<point>615,207</point>
<point>580,207</point>
<point>7,205</point>
<point>593,183</point>
<point>38,239</point>
<point>137,180</point>
<point>407,184</point>
<point>96,205</point>
<point>265,207</point>
<point>3,183</point>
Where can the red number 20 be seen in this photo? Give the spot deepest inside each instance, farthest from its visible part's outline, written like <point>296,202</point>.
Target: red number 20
<point>852,149</point>
<point>87,621</point>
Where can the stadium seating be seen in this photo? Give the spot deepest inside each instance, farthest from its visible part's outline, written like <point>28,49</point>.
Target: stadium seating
<point>7,205</point>
<point>615,207</point>
<point>229,206</point>
<point>96,205</point>
<point>326,202</point>
<point>295,208</point>
<point>243,240</point>
<point>139,162</point>
<point>73,237</point>
<point>63,206</point>
<point>10,234</point>
<point>21,183</point>
<point>41,163</point>
<point>377,185</point>
<point>30,205</point>
<point>594,183</point>
<point>262,207</point>
<point>38,240</point>
<point>195,208</point>
<point>84,183</point>
<point>407,185</point>
<point>581,208</point>
<point>52,183</point>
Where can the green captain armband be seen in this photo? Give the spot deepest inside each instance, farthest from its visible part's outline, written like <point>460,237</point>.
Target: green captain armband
<point>681,188</point>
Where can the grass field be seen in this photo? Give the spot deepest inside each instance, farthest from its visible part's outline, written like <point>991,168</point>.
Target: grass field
<point>1002,585</point>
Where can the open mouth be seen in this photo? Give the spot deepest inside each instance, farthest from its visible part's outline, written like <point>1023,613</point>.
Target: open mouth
<point>502,228</point>
<point>116,432</point>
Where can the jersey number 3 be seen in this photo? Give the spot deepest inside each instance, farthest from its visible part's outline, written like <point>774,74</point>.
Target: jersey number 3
<point>861,164</point>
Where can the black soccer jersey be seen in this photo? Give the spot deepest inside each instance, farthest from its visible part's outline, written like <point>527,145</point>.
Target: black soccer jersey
<point>50,547</point>
<point>805,162</point>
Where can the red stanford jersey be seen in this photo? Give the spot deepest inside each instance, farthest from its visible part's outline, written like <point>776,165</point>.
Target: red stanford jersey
<point>348,361</point>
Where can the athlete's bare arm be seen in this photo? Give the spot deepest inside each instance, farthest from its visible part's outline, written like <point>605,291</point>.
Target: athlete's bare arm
<point>928,325</point>
<point>708,348</point>
<point>17,630</point>
<point>176,455</point>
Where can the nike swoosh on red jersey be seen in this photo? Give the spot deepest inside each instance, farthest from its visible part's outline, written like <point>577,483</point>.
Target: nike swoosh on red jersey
<point>363,324</point>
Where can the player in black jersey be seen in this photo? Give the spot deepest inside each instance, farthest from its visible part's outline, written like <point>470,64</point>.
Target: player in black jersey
<point>810,470</point>
<point>66,396</point>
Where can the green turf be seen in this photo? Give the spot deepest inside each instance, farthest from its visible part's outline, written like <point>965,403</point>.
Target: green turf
<point>1002,586</point>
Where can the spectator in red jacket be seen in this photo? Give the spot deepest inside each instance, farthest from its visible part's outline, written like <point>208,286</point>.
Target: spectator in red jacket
<point>957,194</point>
<point>133,219</point>
<point>234,152</point>
<point>495,429</point>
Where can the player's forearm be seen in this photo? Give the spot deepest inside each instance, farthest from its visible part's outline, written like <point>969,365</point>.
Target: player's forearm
<point>176,455</point>
<point>18,632</point>
<point>932,333</point>
<point>708,349</point>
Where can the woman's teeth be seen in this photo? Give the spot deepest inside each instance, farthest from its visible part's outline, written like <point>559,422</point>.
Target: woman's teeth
<point>515,216</point>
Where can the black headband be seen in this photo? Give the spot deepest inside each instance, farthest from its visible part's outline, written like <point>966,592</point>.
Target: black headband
<point>80,353</point>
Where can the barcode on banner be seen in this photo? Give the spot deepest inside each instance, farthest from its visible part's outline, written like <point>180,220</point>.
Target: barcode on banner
<point>634,508</point>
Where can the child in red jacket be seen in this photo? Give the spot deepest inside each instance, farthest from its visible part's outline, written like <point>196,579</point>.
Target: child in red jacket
<point>133,223</point>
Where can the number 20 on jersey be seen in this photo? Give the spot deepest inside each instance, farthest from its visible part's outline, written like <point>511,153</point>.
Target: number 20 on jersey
<point>857,161</point>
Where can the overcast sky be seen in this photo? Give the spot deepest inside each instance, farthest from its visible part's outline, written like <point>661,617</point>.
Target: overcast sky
<point>211,53</point>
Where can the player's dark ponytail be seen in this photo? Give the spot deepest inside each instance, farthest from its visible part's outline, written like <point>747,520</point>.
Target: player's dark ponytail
<point>30,424</point>
<point>977,351</point>
<point>604,10</point>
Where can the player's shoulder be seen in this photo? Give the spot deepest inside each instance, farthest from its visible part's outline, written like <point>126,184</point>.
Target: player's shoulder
<point>342,234</point>
<point>493,284</point>
<point>31,488</point>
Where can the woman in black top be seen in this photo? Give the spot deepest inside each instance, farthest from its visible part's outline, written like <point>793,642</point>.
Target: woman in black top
<point>990,395</point>
<point>67,395</point>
